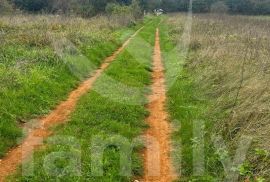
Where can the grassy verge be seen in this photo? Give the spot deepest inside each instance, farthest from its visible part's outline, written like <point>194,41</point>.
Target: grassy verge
<point>115,107</point>
<point>204,95</point>
<point>34,78</point>
<point>187,108</point>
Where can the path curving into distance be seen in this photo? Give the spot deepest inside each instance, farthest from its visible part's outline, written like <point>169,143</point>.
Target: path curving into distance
<point>60,114</point>
<point>157,161</point>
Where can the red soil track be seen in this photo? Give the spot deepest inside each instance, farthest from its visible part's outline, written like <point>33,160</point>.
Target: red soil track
<point>16,156</point>
<point>157,161</point>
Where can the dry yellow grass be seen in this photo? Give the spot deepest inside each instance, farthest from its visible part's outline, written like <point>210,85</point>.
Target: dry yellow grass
<point>230,59</point>
<point>29,29</point>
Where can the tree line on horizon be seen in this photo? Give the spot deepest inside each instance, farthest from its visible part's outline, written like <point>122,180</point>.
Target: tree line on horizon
<point>90,8</point>
<point>255,7</point>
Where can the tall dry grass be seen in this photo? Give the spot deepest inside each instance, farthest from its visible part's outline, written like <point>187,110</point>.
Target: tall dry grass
<point>230,60</point>
<point>27,29</point>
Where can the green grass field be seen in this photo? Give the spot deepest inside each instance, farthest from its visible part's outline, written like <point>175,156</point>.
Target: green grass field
<point>34,79</point>
<point>186,106</point>
<point>107,111</point>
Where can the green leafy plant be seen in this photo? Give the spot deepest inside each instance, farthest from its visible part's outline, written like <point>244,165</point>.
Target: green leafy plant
<point>245,169</point>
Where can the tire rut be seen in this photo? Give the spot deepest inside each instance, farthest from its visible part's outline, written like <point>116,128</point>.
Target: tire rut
<point>157,161</point>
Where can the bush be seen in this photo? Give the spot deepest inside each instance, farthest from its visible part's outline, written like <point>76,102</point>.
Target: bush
<point>116,9</point>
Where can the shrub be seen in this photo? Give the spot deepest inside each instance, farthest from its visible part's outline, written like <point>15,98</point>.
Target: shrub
<point>116,9</point>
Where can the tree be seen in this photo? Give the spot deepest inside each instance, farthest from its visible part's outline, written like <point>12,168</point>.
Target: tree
<point>5,7</point>
<point>170,5</point>
<point>31,5</point>
<point>124,2</point>
<point>219,7</point>
<point>99,5</point>
<point>183,5</point>
<point>63,6</point>
<point>93,7</point>
<point>151,4</point>
<point>87,10</point>
<point>201,6</point>
<point>136,9</point>
<point>263,7</point>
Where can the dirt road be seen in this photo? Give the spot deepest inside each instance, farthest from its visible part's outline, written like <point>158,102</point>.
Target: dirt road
<point>157,161</point>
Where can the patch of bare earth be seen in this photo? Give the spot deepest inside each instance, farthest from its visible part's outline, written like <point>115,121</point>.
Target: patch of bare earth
<point>18,155</point>
<point>157,161</point>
